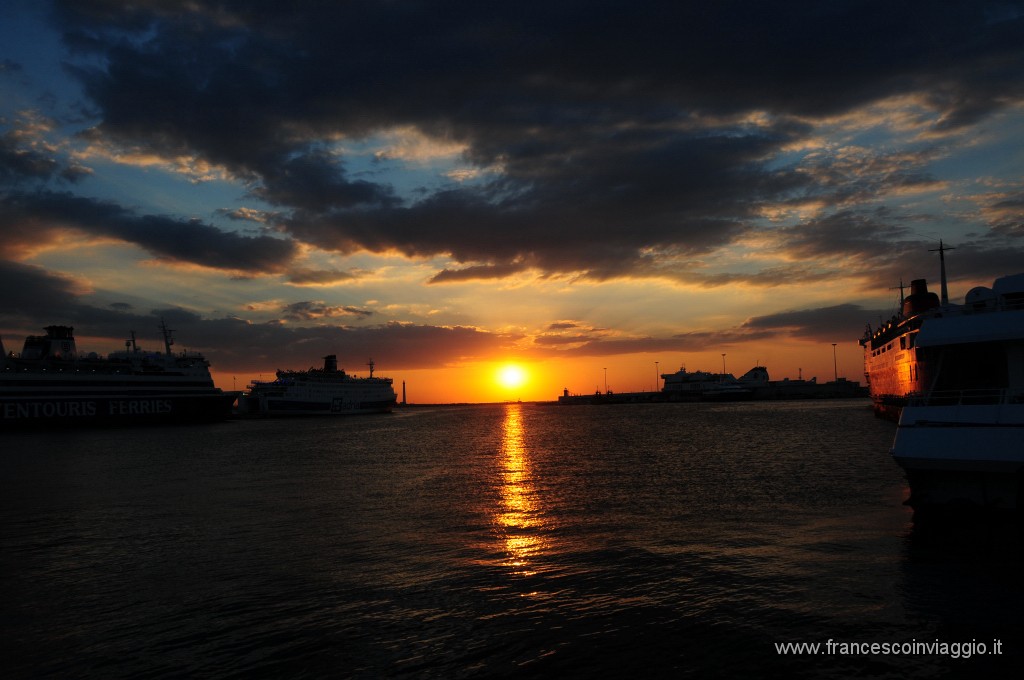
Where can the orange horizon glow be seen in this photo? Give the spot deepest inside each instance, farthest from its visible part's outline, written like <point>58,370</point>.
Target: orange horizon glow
<point>545,379</point>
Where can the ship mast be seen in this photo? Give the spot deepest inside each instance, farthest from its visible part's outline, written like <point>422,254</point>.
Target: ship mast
<point>371,365</point>
<point>942,270</point>
<point>902,298</point>
<point>168,340</point>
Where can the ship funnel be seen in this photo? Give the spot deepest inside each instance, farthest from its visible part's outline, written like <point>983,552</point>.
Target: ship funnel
<point>920,299</point>
<point>331,363</point>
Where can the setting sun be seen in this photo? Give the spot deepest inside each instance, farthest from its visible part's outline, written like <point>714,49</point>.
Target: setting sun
<point>511,376</point>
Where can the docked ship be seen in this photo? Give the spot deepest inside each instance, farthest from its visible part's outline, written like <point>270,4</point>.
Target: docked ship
<point>686,385</point>
<point>50,383</point>
<point>318,391</point>
<point>953,376</point>
<point>754,385</point>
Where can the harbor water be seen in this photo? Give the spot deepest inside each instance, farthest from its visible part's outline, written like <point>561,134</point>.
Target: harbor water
<point>508,540</point>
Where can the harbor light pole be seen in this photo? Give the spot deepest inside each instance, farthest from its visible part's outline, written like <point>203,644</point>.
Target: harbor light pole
<point>723,366</point>
<point>835,366</point>
<point>606,380</point>
<point>657,374</point>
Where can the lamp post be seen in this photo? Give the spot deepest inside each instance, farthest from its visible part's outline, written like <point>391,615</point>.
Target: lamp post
<point>723,365</point>
<point>835,366</point>
<point>606,380</point>
<point>657,374</point>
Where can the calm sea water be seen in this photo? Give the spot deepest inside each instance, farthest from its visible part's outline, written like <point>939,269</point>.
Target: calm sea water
<point>657,540</point>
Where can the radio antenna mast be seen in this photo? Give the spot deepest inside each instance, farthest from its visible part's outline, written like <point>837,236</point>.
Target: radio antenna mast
<point>941,250</point>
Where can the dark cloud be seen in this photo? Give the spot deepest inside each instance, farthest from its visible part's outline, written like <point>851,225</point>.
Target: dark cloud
<point>34,298</point>
<point>770,277</point>
<point>310,310</point>
<point>971,262</point>
<point>1005,216</point>
<point>302,276</point>
<point>596,213</point>
<point>874,244</point>
<point>477,273</point>
<point>883,248</point>
<point>27,218</point>
<point>559,339</point>
<point>837,323</point>
<point>29,290</point>
<point>27,159</point>
<point>316,182</point>
<point>847,233</point>
<point>18,163</point>
<point>855,175</point>
<point>569,334</point>
<point>31,216</point>
<point>237,345</point>
<point>622,130</point>
<point>586,346</point>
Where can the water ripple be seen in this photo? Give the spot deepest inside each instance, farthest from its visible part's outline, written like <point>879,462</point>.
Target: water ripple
<point>671,540</point>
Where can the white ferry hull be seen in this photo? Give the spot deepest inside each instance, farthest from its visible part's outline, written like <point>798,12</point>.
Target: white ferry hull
<point>969,454</point>
<point>339,406</point>
<point>325,391</point>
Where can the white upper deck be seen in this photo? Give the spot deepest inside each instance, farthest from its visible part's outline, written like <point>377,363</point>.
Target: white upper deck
<point>988,315</point>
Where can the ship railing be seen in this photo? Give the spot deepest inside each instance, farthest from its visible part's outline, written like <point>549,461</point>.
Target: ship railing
<point>977,397</point>
<point>1005,303</point>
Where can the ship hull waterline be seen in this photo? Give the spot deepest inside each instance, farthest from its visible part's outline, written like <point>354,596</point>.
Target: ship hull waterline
<point>970,457</point>
<point>286,408</point>
<point>114,409</point>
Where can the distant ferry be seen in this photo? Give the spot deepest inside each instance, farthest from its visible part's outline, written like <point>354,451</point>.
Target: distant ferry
<point>753,385</point>
<point>50,383</point>
<point>704,386</point>
<point>318,391</point>
<point>953,375</point>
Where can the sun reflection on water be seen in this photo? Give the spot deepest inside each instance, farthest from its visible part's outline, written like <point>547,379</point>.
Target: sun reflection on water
<point>518,518</point>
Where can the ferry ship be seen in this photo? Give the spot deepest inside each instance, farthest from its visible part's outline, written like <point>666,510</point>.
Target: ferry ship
<point>953,376</point>
<point>50,383</point>
<point>318,391</point>
<point>686,385</point>
<point>753,385</point>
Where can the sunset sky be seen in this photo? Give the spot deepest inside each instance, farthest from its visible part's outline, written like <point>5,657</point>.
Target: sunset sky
<point>579,188</point>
